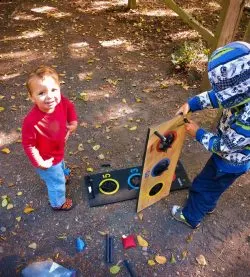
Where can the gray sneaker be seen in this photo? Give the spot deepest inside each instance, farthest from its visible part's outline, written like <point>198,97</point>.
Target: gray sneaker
<point>177,215</point>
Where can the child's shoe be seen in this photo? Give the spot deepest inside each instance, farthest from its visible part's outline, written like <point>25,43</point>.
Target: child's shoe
<point>68,205</point>
<point>177,215</point>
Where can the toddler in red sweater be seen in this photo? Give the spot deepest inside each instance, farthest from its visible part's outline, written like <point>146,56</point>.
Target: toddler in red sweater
<point>45,130</point>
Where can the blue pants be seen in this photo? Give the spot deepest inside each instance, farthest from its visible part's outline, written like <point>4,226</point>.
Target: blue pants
<point>205,191</point>
<point>54,178</point>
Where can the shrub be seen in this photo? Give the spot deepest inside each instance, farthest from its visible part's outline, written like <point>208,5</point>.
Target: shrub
<point>190,54</point>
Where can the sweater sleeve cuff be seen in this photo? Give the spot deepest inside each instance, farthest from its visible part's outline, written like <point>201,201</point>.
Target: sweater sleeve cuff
<point>194,104</point>
<point>199,134</point>
<point>213,99</point>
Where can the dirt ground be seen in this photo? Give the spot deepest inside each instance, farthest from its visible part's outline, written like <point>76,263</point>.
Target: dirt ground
<point>116,67</point>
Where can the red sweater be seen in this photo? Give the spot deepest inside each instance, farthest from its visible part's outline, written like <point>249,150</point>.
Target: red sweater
<point>43,134</point>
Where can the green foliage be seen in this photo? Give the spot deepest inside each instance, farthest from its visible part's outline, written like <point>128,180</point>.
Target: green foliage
<point>189,54</point>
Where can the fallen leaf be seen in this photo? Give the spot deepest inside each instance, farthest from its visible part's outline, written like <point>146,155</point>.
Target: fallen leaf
<point>11,185</point>
<point>84,124</point>
<point>184,254</point>
<point>124,101</point>
<point>6,150</point>
<point>4,202</point>
<point>142,242</point>
<point>138,100</point>
<point>84,96</point>
<point>140,215</point>
<point>112,82</point>
<point>80,147</point>
<point>147,90</point>
<point>63,236</point>
<point>133,128</point>
<point>114,269</point>
<point>102,233</point>
<point>1,96</point>
<point>172,260</point>
<point>33,245</point>
<point>201,260</point>
<point>2,109</point>
<point>18,218</point>
<point>101,157</point>
<point>10,206</point>
<point>90,169</point>
<point>88,77</point>
<point>163,86</point>
<point>189,238</point>
<point>151,262</point>
<point>19,193</point>
<point>160,259</point>
<point>96,147</point>
<point>28,210</point>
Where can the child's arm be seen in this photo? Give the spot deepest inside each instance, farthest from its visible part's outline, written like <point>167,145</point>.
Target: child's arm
<point>71,117</point>
<point>204,100</point>
<point>220,144</point>
<point>71,128</point>
<point>29,146</point>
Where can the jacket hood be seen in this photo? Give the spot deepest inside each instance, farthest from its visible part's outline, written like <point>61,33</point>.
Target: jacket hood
<point>229,73</point>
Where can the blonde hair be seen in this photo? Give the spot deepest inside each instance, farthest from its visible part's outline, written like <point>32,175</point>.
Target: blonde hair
<point>41,72</point>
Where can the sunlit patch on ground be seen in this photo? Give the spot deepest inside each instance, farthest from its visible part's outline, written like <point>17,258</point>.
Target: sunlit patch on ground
<point>118,111</point>
<point>119,43</point>
<point>95,95</point>
<point>6,139</point>
<point>9,76</point>
<point>44,9</point>
<point>51,11</point>
<point>190,34</point>
<point>97,6</point>
<point>25,35</point>
<point>25,55</point>
<point>80,49</point>
<point>215,5</point>
<point>159,12</point>
<point>25,16</point>
<point>87,76</point>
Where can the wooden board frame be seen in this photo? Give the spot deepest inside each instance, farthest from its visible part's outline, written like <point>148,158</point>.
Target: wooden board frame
<point>155,187</point>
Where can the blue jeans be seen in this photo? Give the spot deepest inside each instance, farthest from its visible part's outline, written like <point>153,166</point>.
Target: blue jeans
<point>205,191</point>
<point>54,178</point>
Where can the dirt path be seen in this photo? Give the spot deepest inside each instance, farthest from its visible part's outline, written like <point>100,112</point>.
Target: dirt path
<point>115,66</point>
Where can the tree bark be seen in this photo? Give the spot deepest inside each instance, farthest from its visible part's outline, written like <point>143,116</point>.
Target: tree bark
<point>247,33</point>
<point>229,20</point>
<point>131,4</point>
<point>186,17</point>
<point>226,29</point>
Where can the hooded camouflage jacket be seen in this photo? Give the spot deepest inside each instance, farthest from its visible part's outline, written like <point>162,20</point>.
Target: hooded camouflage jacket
<point>229,75</point>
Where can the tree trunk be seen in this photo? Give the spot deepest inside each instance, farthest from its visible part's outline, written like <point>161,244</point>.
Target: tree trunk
<point>186,17</point>
<point>229,20</point>
<point>226,29</point>
<point>247,33</point>
<point>131,4</point>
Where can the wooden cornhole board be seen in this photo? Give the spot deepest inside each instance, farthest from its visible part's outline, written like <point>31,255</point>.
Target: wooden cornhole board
<point>156,184</point>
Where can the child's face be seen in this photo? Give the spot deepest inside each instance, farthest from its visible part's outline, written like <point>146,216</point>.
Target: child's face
<point>45,93</point>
